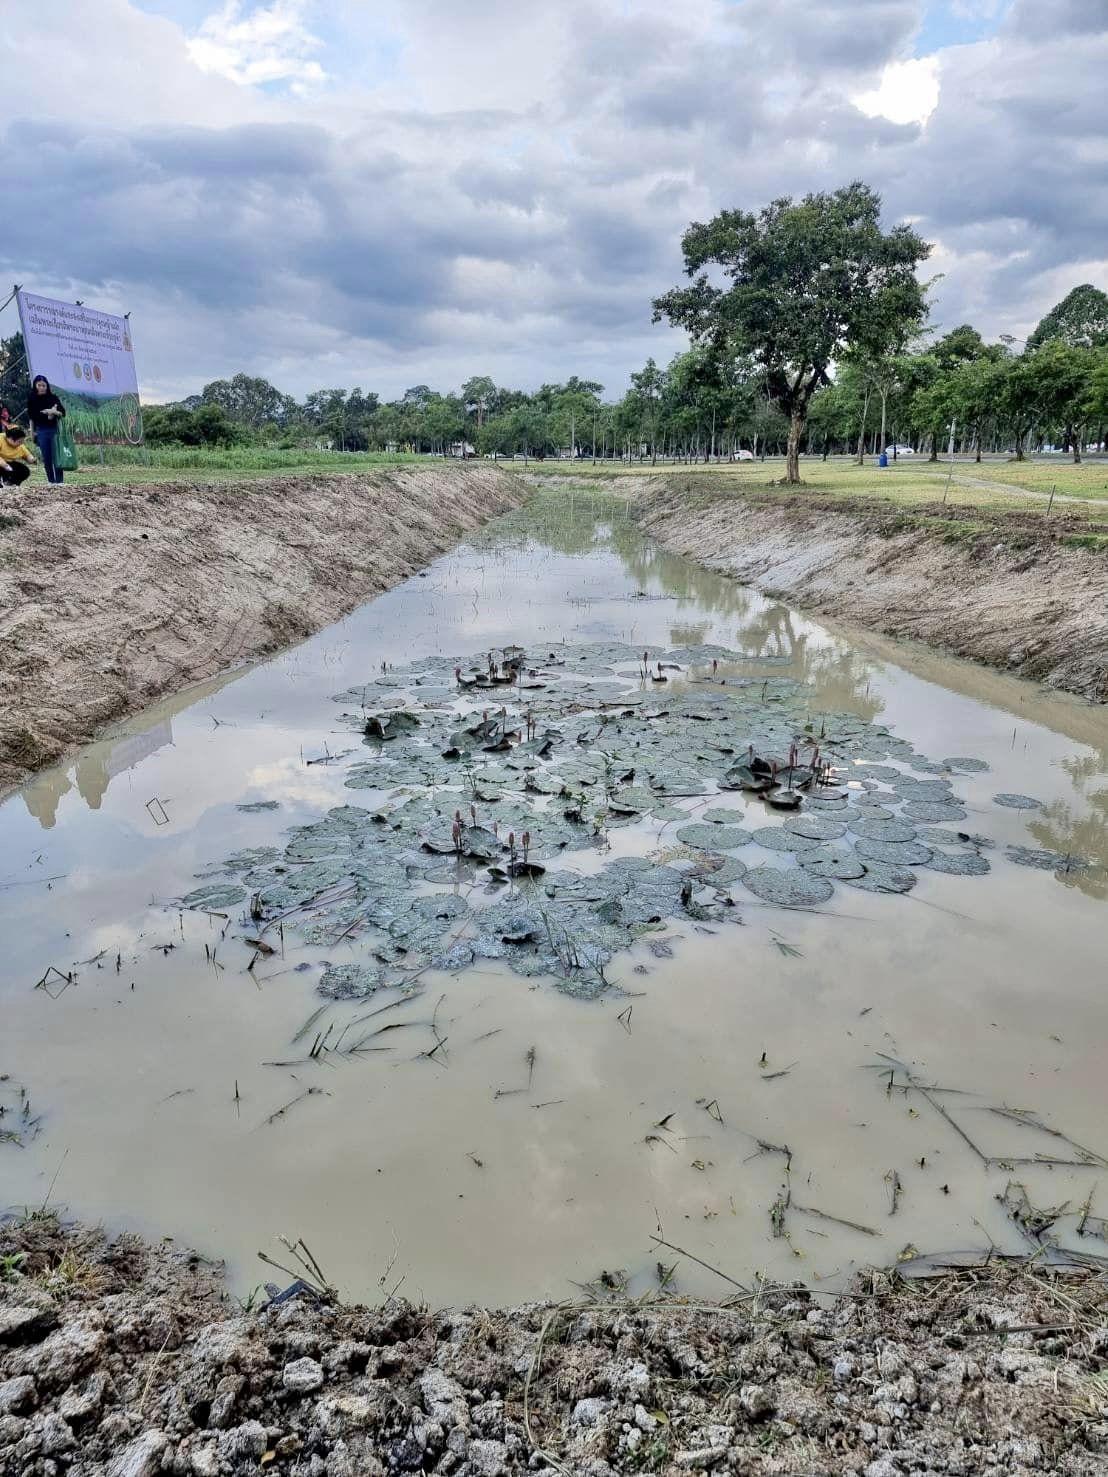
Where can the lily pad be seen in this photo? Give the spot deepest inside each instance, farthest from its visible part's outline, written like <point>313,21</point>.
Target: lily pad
<point>1017,802</point>
<point>214,898</point>
<point>351,981</point>
<point>958,863</point>
<point>868,812</point>
<point>826,802</point>
<point>879,877</point>
<point>872,830</point>
<point>938,836</point>
<point>827,861</point>
<point>894,853</point>
<point>732,870</point>
<point>776,838</point>
<point>969,766</point>
<point>815,827</point>
<point>254,856</point>
<point>939,791</point>
<point>925,811</point>
<point>714,838</point>
<point>794,888</point>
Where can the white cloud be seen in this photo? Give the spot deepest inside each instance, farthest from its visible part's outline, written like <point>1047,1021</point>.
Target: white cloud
<point>502,188</point>
<point>908,92</point>
<point>269,44</point>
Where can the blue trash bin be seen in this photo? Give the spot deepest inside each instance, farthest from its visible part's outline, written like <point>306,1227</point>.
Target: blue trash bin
<point>883,459</point>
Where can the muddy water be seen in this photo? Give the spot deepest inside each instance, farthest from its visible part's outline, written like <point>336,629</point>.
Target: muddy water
<point>447,1176</point>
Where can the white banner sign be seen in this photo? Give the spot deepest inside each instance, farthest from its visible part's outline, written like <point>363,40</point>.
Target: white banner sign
<point>79,350</point>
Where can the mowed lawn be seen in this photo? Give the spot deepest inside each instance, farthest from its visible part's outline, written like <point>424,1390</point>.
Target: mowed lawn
<point>995,484</point>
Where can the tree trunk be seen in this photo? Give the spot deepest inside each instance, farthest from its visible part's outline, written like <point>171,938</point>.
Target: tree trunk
<point>884,401</point>
<point>792,456</point>
<point>862,431</point>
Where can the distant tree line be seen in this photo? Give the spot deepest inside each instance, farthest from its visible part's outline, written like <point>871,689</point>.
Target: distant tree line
<point>703,404</point>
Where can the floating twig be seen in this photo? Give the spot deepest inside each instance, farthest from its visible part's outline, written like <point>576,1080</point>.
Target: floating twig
<point>836,1220</point>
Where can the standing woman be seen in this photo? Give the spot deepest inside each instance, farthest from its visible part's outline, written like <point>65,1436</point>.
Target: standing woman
<point>44,411</point>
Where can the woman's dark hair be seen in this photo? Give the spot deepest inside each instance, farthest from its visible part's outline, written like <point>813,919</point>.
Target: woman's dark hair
<point>34,383</point>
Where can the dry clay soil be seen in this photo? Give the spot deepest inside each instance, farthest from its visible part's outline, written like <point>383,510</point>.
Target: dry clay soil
<point>120,1359</point>
<point>113,596</point>
<point>1013,595</point>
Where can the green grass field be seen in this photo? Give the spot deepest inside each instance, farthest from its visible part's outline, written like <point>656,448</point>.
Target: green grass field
<point>995,485</point>
<point>199,464</point>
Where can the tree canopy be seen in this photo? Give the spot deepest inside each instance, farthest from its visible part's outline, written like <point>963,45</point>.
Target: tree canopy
<point>810,281</point>
<point>1079,320</point>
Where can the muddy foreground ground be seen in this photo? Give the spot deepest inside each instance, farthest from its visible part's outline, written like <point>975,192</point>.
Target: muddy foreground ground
<point>112,596</point>
<point>120,1359</point>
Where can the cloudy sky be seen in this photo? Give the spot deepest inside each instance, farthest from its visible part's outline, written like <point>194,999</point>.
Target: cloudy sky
<point>389,192</point>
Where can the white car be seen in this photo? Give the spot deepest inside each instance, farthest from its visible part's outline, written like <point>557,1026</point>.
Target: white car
<point>742,456</point>
<point>899,451</point>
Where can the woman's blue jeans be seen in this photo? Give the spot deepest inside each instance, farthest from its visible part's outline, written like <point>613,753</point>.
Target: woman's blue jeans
<point>46,438</point>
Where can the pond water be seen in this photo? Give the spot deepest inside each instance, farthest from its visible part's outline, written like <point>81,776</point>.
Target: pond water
<point>551,1136</point>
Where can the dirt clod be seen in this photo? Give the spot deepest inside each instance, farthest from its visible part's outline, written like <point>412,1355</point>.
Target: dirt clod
<point>995,1369</point>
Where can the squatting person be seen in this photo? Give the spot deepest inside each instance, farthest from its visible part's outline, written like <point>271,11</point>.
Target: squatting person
<point>15,457</point>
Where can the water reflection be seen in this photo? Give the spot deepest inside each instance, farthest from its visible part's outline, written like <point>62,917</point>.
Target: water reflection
<point>94,771</point>
<point>764,628</point>
<point>1061,829</point>
<point>383,1154</point>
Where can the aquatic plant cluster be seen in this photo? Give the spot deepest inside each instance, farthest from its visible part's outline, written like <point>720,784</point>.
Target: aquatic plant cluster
<point>490,778</point>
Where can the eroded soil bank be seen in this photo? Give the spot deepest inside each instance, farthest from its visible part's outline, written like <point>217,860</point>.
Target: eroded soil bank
<point>120,1359</point>
<point>111,596</point>
<point>1010,591</point>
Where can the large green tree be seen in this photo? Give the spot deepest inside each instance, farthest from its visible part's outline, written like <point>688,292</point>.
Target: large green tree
<point>809,281</point>
<point>1059,377</point>
<point>1079,320</point>
<point>247,399</point>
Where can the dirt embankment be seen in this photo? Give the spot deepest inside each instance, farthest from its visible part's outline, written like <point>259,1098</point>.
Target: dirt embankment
<point>111,596</point>
<point>118,1359</point>
<point>1005,590</point>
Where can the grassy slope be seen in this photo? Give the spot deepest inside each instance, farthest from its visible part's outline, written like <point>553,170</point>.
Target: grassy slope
<point>187,464</point>
<point>992,482</point>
